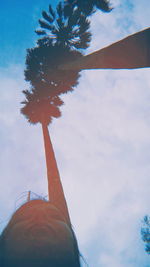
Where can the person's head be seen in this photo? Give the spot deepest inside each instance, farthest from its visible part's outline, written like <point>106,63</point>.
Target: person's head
<point>38,235</point>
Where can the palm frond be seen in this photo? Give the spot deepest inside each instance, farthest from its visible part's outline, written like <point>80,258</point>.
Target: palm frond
<point>27,94</point>
<point>103,5</point>
<point>57,101</point>
<point>51,11</point>
<point>45,25</point>
<point>40,32</point>
<point>60,10</point>
<point>47,17</point>
<point>88,7</point>
<point>74,18</point>
<point>60,23</point>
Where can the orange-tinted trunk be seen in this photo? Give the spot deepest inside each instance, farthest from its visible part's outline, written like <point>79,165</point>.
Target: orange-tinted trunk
<point>129,53</point>
<point>55,189</point>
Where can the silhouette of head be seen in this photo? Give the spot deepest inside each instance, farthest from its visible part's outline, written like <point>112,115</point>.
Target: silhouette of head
<point>38,235</point>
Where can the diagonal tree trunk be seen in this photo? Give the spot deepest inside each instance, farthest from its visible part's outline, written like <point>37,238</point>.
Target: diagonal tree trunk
<point>55,189</point>
<point>129,53</point>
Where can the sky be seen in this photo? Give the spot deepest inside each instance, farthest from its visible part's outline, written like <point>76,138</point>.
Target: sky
<point>101,142</point>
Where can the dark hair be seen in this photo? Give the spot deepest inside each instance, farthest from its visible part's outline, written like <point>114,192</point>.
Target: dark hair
<point>38,234</point>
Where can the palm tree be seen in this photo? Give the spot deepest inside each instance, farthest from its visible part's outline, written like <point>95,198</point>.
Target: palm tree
<point>64,33</point>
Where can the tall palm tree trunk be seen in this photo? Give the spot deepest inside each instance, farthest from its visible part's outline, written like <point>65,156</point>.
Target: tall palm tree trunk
<point>55,189</point>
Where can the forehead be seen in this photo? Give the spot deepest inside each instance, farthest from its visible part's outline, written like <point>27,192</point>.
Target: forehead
<point>38,216</point>
<point>44,210</point>
<point>37,204</point>
<point>43,220</point>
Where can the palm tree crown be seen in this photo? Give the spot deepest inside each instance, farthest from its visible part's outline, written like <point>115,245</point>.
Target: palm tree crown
<point>65,27</point>
<point>63,33</point>
<point>42,101</point>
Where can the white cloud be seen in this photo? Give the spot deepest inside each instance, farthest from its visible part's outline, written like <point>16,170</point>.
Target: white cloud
<point>103,138</point>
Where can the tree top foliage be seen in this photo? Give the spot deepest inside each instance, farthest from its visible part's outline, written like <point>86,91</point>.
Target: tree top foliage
<point>63,34</point>
<point>47,83</point>
<point>64,27</point>
<point>88,7</point>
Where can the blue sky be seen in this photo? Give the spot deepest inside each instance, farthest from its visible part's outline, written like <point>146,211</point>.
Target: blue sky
<point>18,21</point>
<point>101,142</point>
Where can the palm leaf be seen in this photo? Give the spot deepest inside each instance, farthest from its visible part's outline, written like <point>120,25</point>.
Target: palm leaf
<point>47,17</point>
<point>84,41</point>
<point>83,28</point>
<point>40,32</point>
<point>45,25</point>
<point>74,18</point>
<point>60,23</point>
<point>59,10</point>
<point>57,101</point>
<point>103,5</point>
<point>28,95</point>
<point>51,11</point>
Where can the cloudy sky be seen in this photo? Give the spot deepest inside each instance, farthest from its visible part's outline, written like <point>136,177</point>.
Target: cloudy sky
<point>101,142</point>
